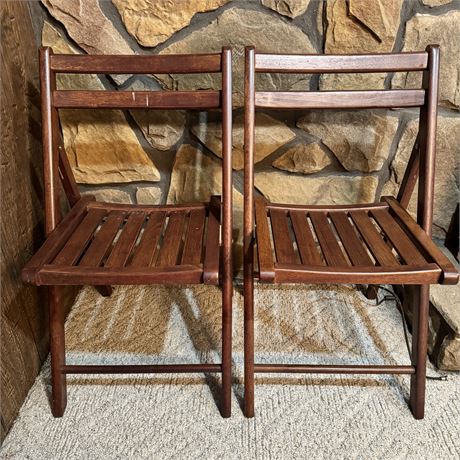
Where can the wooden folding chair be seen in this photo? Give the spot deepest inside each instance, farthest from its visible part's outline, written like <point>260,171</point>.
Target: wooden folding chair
<point>104,244</point>
<point>359,243</point>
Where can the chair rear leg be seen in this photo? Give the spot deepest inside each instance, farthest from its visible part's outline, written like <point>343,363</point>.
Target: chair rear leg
<point>420,310</point>
<point>57,348</point>
<point>105,291</point>
<point>227,292</point>
<point>249,345</point>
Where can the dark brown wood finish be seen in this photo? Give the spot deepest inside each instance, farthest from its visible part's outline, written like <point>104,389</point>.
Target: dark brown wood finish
<point>72,99</point>
<point>375,243</point>
<point>104,244</point>
<point>248,229</point>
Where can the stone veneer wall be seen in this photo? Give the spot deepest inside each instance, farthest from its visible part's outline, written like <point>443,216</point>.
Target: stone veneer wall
<point>314,157</point>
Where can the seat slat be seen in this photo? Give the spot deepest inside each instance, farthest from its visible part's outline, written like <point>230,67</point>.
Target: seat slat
<point>80,238</point>
<point>352,244</point>
<point>450,274</point>
<point>340,99</point>
<point>125,243</point>
<point>281,238</point>
<point>193,245</point>
<point>372,237</point>
<point>103,240</point>
<point>172,240</point>
<point>304,237</point>
<point>327,240</point>
<point>407,250</point>
<point>147,247</point>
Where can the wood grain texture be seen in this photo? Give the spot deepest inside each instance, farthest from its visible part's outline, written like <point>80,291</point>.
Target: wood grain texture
<point>24,326</point>
<point>340,99</point>
<point>199,63</point>
<point>72,99</point>
<point>316,63</point>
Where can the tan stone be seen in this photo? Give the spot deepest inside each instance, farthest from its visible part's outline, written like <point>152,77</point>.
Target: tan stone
<point>332,189</point>
<point>291,8</point>
<point>101,146</point>
<point>446,190</point>
<point>360,140</point>
<point>360,26</point>
<point>88,26</point>
<point>152,22</point>
<point>148,195</point>
<point>301,158</point>
<point>238,28</point>
<point>443,29</point>
<point>195,177</point>
<point>270,134</point>
<point>449,354</point>
<point>110,195</point>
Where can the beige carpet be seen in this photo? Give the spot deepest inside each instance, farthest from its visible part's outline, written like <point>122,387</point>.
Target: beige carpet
<point>176,417</point>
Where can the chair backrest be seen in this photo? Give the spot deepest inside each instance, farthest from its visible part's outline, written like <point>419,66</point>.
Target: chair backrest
<point>56,166</point>
<point>422,160</point>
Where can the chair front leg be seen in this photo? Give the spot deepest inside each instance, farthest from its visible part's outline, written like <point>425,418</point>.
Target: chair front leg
<point>420,312</point>
<point>227,292</point>
<point>57,349</point>
<point>249,342</point>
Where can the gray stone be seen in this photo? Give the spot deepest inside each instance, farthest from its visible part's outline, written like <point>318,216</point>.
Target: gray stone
<point>148,195</point>
<point>443,29</point>
<point>290,8</point>
<point>238,28</point>
<point>270,134</point>
<point>306,159</point>
<point>434,3</point>
<point>109,195</point>
<point>281,187</point>
<point>360,140</point>
<point>88,26</point>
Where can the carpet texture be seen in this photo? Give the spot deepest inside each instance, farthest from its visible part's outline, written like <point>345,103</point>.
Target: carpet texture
<point>177,416</point>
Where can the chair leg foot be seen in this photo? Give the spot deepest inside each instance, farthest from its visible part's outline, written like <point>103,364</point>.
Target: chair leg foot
<point>227,292</point>
<point>371,292</point>
<point>420,308</point>
<point>249,347</point>
<point>57,349</point>
<point>105,291</point>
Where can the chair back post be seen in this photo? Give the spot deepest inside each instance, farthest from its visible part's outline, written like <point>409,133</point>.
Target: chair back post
<point>428,122</point>
<point>249,127</point>
<point>50,121</point>
<point>227,182</point>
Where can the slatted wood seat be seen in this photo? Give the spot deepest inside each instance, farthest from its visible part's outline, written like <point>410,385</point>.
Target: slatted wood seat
<point>99,243</point>
<point>370,244</point>
<point>346,244</point>
<point>105,244</point>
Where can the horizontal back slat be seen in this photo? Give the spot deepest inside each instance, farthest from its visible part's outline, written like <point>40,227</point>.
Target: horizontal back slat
<point>118,64</point>
<point>136,99</point>
<point>340,99</point>
<point>363,63</point>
